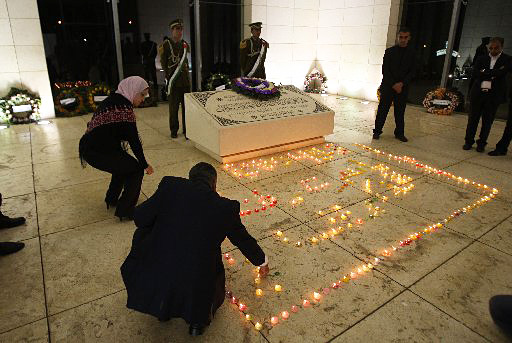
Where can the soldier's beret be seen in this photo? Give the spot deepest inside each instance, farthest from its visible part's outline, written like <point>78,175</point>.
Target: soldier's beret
<point>175,22</point>
<point>256,25</point>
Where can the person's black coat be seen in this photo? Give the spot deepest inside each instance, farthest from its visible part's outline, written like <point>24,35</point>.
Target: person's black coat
<point>399,65</point>
<point>497,75</point>
<point>175,265</point>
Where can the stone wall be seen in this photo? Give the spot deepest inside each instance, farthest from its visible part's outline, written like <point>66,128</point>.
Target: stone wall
<point>345,39</point>
<point>23,62</point>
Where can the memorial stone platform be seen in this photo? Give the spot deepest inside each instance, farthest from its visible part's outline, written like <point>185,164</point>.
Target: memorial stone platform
<point>232,127</point>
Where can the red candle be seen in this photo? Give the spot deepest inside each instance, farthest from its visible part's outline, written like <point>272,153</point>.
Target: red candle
<point>285,315</point>
<point>295,309</point>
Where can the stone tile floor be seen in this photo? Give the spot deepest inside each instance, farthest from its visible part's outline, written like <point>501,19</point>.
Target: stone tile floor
<point>65,285</point>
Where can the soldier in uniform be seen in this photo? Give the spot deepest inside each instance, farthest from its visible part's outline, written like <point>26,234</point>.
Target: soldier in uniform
<point>175,64</point>
<point>253,52</point>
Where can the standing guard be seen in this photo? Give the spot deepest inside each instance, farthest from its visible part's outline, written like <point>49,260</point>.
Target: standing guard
<point>175,64</point>
<point>253,52</point>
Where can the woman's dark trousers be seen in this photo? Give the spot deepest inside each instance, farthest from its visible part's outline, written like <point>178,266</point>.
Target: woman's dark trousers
<point>127,174</point>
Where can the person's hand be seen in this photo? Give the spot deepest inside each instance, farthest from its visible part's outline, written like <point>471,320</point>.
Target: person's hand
<point>149,170</point>
<point>263,271</point>
<point>397,87</point>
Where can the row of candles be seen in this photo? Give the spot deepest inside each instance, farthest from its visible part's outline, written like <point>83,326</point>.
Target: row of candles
<point>414,237</point>
<point>262,200</point>
<point>253,169</point>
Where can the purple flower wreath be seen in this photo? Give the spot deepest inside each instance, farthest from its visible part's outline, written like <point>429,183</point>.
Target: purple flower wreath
<point>254,87</point>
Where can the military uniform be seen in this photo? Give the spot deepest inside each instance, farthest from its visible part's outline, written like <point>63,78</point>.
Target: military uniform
<point>170,59</point>
<point>252,52</point>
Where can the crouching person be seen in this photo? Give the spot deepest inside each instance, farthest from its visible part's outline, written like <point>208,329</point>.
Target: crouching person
<point>175,269</point>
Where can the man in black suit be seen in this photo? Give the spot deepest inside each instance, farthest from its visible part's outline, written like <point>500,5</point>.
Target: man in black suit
<point>149,51</point>
<point>398,69</point>
<point>487,93</point>
<point>502,146</point>
<point>481,50</point>
<point>175,266</point>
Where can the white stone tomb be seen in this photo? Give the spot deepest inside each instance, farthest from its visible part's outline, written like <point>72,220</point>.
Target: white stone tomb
<point>232,127</point>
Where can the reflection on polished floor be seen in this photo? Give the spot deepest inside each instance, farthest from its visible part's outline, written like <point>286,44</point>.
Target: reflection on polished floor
<point>345,204</point>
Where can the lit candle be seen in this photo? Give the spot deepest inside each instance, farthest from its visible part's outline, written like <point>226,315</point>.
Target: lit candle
<point>259,292</point>
<point>231,261</point>
<point>285,239</point>
<point>234,300</point>
<point>298,244</point>
<point>285,315</point>
<point>274,320</point>
<point>279,233</point>
<point>248,317</point>
<point>258,326</point>
<point>317,295</point>
<point>242,307</point>
<point>306,303</point>
<point>346,279</point>
<point>295,309</point>
<point>314,240</point>
<point>257,281</point>
<point>278,288</point>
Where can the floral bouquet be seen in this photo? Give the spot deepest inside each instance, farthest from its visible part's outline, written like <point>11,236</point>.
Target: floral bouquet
<point>256,88</point>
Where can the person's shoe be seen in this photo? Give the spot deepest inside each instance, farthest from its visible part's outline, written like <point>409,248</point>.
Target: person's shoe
<point>467,146</point>
<point>121,218</point>
<point>402,138</point>
<point>376,135</point>
<point>7,248</point>
<point>7,222</point>
<point>196,329</point>
<point>480,148</point>
<point>497,153</point>
<point>174,135</point>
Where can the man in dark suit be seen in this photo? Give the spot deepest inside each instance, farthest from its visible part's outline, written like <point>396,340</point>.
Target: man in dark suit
<point>481,50</point>
<point>149,51</point>
<point>487,93</point>
<point>502,146</point>
<point>398,69</point>
<point>175,267</point>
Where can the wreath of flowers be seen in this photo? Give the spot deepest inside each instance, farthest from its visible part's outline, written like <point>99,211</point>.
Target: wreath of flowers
<point>65,111</point>
<point>5,113</point>
<point>255,87</point>
<point>315,75</point>
<point>70,84</point>
<point>217,80</point>
<point>441,94</point>
<point>95,91</point>
<point>19,97</point>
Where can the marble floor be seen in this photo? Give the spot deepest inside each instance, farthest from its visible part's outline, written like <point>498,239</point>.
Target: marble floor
<point>65,286</point>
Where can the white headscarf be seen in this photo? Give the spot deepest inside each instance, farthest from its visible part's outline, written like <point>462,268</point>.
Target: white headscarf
<point>131,86</point>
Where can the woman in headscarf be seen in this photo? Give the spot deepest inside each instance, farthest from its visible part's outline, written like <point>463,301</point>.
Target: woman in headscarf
<point>104,145</point>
